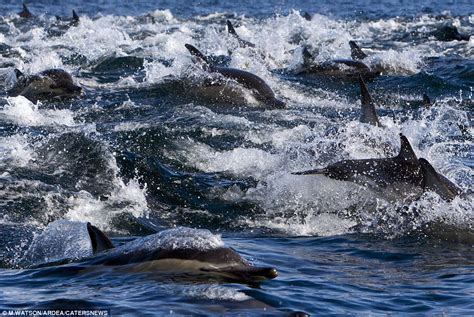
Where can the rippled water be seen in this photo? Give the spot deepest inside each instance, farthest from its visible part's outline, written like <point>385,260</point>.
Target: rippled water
<point>143,150</point>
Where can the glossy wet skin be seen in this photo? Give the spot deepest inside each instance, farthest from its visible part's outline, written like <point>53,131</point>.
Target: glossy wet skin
<point>224,262</point>
<point>382,171</point>
<point>47,84</point>
<point>263,92</point>
<point>436,182</point>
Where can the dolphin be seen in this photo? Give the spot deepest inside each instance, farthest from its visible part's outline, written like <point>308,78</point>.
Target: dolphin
<point>405,174</point>
<point>381,172</point>
<point>25,13</point>
<point>356,66</point>
<point>242,43</point>
<point>250,81</point>
<point>221,262</point>
<point>368,112</point>
<point>47,84</point>
<point>449,33</point>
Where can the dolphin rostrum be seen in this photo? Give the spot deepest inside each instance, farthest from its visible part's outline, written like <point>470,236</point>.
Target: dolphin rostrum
<point>368,112</point>
<point>47,84</point>
<point>261,90</point>
<point>220,261</point>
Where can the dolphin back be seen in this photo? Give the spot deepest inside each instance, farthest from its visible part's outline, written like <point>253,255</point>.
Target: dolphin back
<point>251,81</point>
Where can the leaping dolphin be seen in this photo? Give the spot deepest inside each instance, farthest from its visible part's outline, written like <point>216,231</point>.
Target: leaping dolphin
<point>221,261</point>
<point>383,172</point>
<point>403,173</point>
<point>47,84</point>
<point>261,90</point>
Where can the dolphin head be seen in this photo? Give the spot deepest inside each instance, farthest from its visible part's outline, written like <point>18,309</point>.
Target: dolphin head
<point>61,82</point>
<point>228,264</point>
<point>47,84</point>
<point>276,103</point>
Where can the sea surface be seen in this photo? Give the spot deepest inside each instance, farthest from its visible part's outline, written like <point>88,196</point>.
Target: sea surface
<point>142,151</point>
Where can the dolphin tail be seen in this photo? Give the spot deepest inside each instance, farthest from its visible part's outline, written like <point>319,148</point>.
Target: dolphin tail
<point>356,51</point>
<point>433,181</point>
<point>196,53</point>
<point>406,151</point>
<point>426,101</point>
<point>230,28</point>
<point>321,171</point>
<point>99,240</point>
<point>368,113</point>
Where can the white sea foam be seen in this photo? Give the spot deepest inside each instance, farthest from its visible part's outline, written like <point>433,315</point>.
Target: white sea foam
<point>16,151</point>
<point>177,238</point>
<point>23,112</point>
<point>60,240</point>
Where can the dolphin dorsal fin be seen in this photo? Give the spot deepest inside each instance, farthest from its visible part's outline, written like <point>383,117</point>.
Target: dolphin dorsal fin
<point>368,113</point>
<point>307,16</point>
<point>18,74</point>
<point>432,181</point>
<point>356,51</point>
<point>406,151</point>
<point>99,240</point>
<point>230,28</point>
<point>25,13</point>
<point>426,101</point>
<point>75,17</point>
<point>196,53</point>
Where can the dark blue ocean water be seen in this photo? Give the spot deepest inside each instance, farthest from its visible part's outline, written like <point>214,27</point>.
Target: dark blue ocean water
<point>144,150</point>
